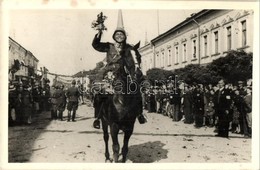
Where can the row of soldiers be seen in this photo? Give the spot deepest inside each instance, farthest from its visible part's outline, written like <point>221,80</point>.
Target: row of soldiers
<point>66,98</point>
<point>25,99</point>
<point>226,106</point>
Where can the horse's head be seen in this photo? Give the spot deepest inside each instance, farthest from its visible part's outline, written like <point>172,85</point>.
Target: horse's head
<point>136,54</point>
<point>132,59</point>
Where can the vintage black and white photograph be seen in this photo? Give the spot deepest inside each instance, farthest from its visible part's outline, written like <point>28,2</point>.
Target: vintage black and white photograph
<point>135,86</point>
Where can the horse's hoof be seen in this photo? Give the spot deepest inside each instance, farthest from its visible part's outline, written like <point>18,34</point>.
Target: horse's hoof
<point>109,160</point>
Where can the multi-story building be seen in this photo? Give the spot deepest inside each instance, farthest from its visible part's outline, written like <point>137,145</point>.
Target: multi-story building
<point>200,39</point>
<point>26,59</point>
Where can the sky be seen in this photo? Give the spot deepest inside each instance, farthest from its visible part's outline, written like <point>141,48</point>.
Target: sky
<point>61,38</point>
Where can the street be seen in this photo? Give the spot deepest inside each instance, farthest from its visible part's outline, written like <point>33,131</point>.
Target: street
<point>159,140</point>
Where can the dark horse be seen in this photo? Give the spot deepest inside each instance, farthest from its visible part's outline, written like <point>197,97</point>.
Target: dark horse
<point>120,109</point>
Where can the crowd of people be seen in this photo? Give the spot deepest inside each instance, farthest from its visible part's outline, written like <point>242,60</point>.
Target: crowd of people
<point>225,106</point>
<point>26,99</point>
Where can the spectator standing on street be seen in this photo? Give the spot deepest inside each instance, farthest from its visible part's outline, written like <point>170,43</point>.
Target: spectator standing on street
<point>73,101</point>
<point>176,101</point>
<point>11,104</point>
<point>248,109</point>
<point>237,111</point>
<point>54,102</point>
<point>209,107</point>
<point>151,103</point>
<point>61,102</point>
<point>187,105</point>
<point>18,104</point>
<point>81,91</point>
<point>27,104</point>
<point>199,104</point>
<point>158,99</point>
<point>36,97</point>
<point>241,88</point>
<point>223,105</point>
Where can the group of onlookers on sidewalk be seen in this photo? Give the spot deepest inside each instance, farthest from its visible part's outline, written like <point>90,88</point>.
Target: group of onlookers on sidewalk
<point>26,100</point>
<point>225,106</point>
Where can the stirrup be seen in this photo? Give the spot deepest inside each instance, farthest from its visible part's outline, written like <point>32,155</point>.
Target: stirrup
<point>96,124</point>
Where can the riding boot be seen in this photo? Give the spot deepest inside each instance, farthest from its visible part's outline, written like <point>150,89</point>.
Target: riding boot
<point>96,123</point>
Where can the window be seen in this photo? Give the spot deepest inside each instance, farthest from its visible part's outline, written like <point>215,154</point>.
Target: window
<point>216,41</point>
<point>194,49</point>
<point>162,61</point>
<point>169,57</point>
<point>176,55</point>
<point>184,53</point>
<point>157,60</point>
<point>243,33</point>
<point>229,38</point>
<point>205,45</point>
<point>151,62</point>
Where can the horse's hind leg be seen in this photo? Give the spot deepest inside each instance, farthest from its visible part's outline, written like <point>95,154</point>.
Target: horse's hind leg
<point>106,137</point>
<point>114,130</point>
<point>127,136</point>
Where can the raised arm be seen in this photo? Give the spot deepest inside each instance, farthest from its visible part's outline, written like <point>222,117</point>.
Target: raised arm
<point>99,46</point>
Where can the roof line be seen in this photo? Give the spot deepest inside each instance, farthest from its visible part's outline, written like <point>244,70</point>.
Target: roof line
<point>27,51</point>
<point>181,24</point>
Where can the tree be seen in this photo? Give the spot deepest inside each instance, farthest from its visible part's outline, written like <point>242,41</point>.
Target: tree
<point>235,66</point>
<point>157,75</point>
<point>190,73</point>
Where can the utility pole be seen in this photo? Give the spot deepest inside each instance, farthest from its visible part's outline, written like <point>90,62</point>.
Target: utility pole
<point>158,22</point>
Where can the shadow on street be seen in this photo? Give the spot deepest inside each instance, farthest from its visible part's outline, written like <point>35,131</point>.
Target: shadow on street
<point>147,152</point>
<point>21,138</point>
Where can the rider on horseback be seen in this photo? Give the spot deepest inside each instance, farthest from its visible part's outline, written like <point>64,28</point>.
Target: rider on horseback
<point>116,57</point>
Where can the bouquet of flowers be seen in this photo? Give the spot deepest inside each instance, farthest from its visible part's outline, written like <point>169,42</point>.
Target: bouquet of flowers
<point>99,23</point>
<point>110,76</point>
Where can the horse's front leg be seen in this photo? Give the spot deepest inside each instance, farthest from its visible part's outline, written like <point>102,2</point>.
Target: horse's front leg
<point>114,130</point>
<point>127,136</point>
<point>106,138</point>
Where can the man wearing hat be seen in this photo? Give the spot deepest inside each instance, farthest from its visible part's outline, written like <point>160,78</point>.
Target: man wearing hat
<point>73,100</point>
<point>61,102</point>
<point>116,57</point>
<point>54,102</point>
<point>27,101</point>
<point>11,103</point>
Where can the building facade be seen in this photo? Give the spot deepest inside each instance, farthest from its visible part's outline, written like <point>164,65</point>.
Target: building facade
<point>200,39</point>
<point>27,61</point>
